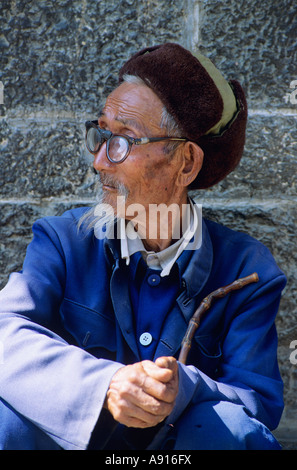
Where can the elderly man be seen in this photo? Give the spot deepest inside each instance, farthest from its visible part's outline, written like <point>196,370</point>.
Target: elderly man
<point>92,326</point>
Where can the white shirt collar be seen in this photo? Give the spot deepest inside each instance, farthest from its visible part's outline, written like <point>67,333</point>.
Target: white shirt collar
<point>165,259</point>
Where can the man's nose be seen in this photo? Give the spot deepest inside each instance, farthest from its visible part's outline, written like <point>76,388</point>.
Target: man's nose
<point>101,161</point>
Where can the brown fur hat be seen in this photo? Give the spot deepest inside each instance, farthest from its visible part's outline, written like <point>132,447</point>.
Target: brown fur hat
<point>186,86</point>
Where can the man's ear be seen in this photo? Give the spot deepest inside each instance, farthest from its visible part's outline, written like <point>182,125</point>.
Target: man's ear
<point>192,160</point>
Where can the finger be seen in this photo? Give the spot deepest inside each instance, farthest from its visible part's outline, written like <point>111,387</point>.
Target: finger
<point>149,414</point>
<point>167,362</point>
<point>158,372</point>
<point>163,391</point>
<point>160,393</point>
<point>141,420</point>
<point>133,385</point>
<point>145,392</point>
<point>150,378</point>
<point>137,410</point>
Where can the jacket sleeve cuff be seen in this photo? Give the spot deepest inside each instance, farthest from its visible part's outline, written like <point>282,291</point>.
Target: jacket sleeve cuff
<point>189,380</point>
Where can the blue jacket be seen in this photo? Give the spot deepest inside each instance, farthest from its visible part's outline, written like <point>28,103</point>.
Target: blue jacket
<point>67,325</point>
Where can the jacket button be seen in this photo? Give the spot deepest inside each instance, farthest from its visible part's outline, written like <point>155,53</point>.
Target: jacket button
<point>145,339</point>
<point>154,280</point>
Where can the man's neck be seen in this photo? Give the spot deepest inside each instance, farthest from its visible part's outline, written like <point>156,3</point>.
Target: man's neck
<point>160,225</point>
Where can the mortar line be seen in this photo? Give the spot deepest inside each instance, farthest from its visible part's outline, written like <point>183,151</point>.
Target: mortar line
<point>213,202</point>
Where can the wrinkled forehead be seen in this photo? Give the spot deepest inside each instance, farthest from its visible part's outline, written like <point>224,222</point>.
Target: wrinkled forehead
<point>135,105</point>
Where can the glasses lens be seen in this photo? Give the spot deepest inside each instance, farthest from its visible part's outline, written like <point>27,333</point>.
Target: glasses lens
<point>93,140</point>
<point>118,148</point>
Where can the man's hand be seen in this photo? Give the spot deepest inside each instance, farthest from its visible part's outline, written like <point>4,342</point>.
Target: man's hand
<point>141,395</point>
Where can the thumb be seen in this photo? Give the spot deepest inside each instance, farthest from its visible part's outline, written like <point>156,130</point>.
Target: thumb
<point>167,362</point>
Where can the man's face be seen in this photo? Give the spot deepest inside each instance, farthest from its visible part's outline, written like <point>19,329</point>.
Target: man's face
<point>148,175</point>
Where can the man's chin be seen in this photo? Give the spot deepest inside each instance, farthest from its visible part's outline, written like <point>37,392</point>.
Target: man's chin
<point>115,201</point>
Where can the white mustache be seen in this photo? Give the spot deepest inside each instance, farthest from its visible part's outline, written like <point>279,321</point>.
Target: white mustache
<point>108,180</point>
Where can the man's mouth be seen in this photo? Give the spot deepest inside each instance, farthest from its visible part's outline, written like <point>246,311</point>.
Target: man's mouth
<point>108,187</point>
<point>110,184</point>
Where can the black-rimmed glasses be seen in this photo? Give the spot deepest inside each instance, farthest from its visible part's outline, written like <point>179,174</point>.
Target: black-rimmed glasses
<point>118,147</point>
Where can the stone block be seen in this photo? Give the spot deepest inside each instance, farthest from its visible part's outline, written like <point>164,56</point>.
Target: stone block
<point>41,158</point>
<point>273,224</point>
<point>65,55</point>
<point>47,158</point>
<point>267,168</point>
<point>16,223</point>
<point>255,43</point>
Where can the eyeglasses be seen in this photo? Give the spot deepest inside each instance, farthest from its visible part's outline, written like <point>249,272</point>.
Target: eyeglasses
<point>118,147</point>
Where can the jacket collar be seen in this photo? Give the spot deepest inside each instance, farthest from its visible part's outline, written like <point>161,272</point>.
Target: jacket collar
<point>196,273</point>
<point>195,265</point>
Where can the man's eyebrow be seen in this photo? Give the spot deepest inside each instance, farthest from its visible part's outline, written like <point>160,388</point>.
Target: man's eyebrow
<point>128,122</point>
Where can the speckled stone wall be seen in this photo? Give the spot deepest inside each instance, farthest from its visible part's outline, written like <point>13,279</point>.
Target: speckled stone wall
<point>58,62</point>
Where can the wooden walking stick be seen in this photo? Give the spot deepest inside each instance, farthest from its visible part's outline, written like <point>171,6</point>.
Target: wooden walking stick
<point>204,306</point>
